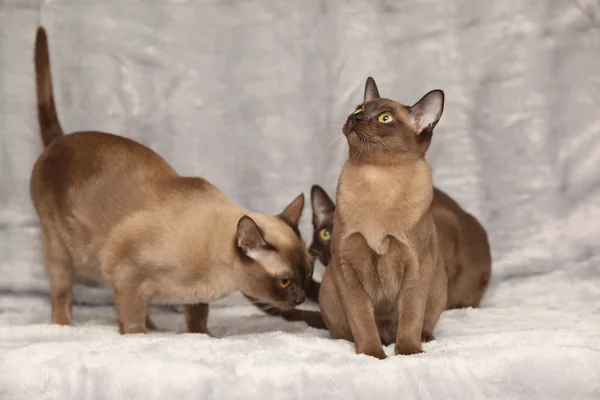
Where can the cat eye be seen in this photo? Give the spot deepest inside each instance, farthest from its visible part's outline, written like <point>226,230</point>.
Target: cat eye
<point>307,276</point>
<point>385,118</point>
<point>357,111</point>
<point>285,283</point>
<point>325,234</point>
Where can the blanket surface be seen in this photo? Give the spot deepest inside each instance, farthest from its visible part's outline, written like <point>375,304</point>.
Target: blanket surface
<point>252,95</point>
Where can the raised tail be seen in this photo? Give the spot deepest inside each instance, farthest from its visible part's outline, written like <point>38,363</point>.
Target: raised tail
<point>49,125</point>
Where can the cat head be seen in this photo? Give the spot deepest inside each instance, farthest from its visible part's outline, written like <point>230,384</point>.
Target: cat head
<point>322,219</point>
<point>385,130</point>
<point>275,261</point>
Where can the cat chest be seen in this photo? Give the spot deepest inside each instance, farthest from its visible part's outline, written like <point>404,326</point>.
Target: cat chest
<point>382,279</point>
<point>378,208</point>
<point>375,222</point>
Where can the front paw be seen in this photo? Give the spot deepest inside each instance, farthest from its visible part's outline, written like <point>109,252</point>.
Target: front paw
<point>407,349</point>
<point>199,328</point>
<point>132,329</point>
<point>203,332</point>
<point>377,353</point>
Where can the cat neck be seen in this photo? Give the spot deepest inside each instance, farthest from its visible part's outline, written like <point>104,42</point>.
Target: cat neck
<point>402,172</point>
<point>380,157</point>
<point>375,193</point>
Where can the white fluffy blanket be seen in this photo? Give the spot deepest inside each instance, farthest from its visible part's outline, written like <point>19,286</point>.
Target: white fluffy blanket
<point>535,338</point>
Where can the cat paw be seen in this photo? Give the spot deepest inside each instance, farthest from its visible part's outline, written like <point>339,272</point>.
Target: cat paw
<point>377,353</point>
<point>200,330</point>
<point>132,329</point>
<point>150,325</point>
<point>61,319</point>
<point>407,350</point>
<point>427,337</point>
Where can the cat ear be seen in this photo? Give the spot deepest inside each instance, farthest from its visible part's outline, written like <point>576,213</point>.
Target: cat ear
<point>292,213</point>
<point>249,238</point>
<point>371,92</point>
<point>322,206</point>
<point>426,112</point>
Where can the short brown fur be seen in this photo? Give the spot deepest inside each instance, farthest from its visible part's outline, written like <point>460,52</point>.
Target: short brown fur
<point>386,281</point>
<point>462,239</point>
<point>113,210</point>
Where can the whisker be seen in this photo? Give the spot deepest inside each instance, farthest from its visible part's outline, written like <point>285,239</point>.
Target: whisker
<point>334,141</point>
<point>381,141</point>
<point>267,306</point>
<point>362,145</point>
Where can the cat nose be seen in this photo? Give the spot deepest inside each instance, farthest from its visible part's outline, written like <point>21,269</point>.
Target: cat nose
<point>300,297</point>
<point>357,117</point>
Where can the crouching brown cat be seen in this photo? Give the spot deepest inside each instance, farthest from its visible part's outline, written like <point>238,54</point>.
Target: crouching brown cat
<point>113,210</point>
<point>386,280</point>
<point>462,240</point>
<point>322,218</point>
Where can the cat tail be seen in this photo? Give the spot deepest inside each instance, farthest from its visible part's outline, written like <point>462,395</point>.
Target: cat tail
<point>48,119</point>
<point>311,318</point>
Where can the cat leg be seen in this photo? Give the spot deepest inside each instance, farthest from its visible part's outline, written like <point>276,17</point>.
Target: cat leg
<point>436,302</point>
<point>132,306</point>
<point>58,266</point>
<point>196,316</point>
<point>355,255</point>
<point>411,305</point>
<point>150,325</point>
<point>332,311</point>
<point>312,289</point>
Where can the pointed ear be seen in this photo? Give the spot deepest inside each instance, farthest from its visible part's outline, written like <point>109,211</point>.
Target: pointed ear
<point>250,239</point>
<point>426,112</point>
<point>371,92</point>
<point>292,213</point>
<point>322,206</point>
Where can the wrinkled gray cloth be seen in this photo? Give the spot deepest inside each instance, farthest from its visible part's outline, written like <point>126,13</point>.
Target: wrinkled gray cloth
<point>252,96</point>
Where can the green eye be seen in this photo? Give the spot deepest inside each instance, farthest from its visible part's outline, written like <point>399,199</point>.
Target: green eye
<point>285,283</point>
<point>385,118</point>
<point>357,111</point>
<point>324,234</point>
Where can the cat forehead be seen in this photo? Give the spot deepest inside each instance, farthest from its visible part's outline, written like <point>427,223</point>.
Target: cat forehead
<point>287,262</point>
<point>289,250</point>
<point>276,232</point>
<point>380,105</point>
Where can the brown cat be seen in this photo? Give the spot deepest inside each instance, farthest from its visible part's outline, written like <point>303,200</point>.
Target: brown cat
<point>322,218</point>
<point>465,249</point>
<point>462,239</point>
<point>386,280</point>
<point>113,210</point>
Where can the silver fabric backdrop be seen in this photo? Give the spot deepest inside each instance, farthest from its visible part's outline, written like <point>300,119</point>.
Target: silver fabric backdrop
<point>252,95</point>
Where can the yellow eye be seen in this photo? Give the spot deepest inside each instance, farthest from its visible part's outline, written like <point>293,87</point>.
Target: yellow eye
<point>385,118</point>
<point>307,276</point>
<point>285,283</point>
<point>325,234</point>
<point>357,111</point>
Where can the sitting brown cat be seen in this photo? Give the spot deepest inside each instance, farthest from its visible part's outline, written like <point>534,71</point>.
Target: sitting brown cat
<point>462,239</point>
<point>386,278</point>
<point>112,209</point>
